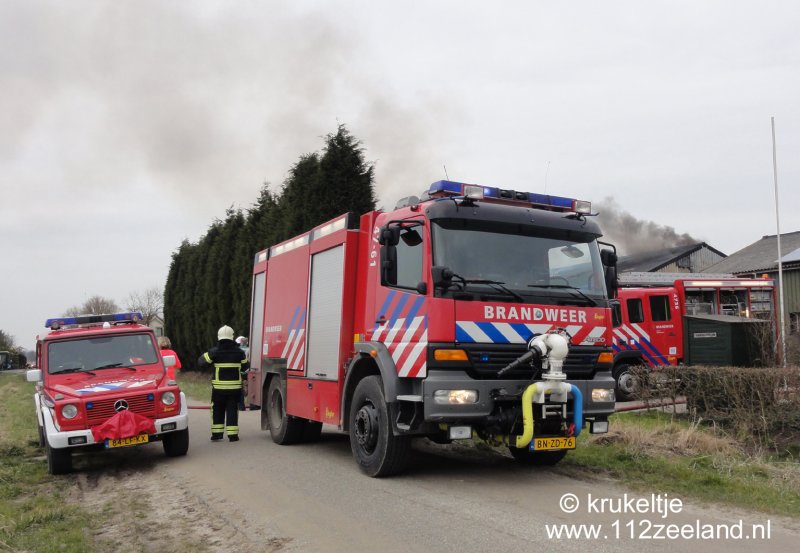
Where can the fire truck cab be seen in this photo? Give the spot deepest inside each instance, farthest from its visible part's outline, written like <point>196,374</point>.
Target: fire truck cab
<point>471,311</point>
<point>101,383</point>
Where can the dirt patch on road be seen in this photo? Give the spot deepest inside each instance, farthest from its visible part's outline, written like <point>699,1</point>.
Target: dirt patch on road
<point>141,507</point>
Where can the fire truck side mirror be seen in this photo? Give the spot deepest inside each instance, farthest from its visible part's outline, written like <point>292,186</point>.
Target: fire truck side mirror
<point>388,265</point>
<point>389,236</point>
<point>612,284</point>
<point>442,276</point>
<point>609,258</point>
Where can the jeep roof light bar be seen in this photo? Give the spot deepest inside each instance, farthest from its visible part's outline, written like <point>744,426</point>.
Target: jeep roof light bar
<point>131,317</point>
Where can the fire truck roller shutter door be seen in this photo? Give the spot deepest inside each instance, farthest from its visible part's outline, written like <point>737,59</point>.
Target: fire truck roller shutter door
<point>325,313</point>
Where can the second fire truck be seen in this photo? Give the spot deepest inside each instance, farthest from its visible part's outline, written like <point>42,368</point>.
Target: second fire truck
<point>649,320</point>
<point>470,311</point>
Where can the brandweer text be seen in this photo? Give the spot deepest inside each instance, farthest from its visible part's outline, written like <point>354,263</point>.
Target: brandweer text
<point>534,314</point>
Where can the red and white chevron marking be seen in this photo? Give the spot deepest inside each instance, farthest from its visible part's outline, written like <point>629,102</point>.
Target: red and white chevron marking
<point>407,346</point>
<point>294,350</point>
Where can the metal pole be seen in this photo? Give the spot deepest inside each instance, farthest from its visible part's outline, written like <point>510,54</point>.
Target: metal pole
<point>780,263</point>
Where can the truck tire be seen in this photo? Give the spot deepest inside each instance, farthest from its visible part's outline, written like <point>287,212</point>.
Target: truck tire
<point>627,383</point>
<point>176,444</point>
<point>284,429</point>
<point>537,458</point>
<point>377,451</point>
<point>41,435</point>
<point>59,461</point>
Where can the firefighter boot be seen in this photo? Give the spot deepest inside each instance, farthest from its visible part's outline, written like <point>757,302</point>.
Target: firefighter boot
<point>216,436</point>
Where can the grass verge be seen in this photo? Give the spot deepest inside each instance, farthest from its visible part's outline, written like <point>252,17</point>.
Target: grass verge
<point>196,385</point>
<point>35,514</point>
<point>660,454</point>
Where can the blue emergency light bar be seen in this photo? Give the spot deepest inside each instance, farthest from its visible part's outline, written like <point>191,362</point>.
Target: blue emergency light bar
<point>479,192</point>
<point>132,317</point>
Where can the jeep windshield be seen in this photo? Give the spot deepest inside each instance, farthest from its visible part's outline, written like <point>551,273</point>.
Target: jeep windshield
<point>99,353</point>
<point>494,261</point>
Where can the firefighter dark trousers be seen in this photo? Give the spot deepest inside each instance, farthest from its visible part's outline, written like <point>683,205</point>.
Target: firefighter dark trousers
<point>225,413</point>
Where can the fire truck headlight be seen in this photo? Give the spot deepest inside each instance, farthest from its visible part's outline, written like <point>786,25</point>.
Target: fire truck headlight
<point>455,397</point>
<point>168,398</point>
<point>602,395</point>
<point>69,411</point>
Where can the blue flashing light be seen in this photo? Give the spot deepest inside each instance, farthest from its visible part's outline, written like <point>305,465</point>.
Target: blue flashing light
<point>131,317</point>
<point>150,397</point>
<point>558,203</point>
<point>90,405</point>
<point>446,186</point>
<point>554,201</point>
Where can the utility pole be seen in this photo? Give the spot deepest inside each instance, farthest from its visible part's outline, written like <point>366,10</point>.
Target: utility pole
<point>780,255</point>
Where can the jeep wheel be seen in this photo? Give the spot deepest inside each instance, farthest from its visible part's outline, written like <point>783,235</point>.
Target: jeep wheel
<point>376,449</point>
<point>59,461</point>
<point>283,428</point>
<point>176,444</point>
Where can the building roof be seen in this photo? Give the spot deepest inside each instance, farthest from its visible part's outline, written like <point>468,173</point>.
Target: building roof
<point>792,257</point>
<point>655,260</point>
<point>760,256</point>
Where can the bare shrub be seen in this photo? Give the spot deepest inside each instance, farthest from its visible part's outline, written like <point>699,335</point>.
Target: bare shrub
<point>757,405</point>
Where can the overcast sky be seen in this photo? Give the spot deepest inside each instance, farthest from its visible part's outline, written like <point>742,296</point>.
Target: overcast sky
<point>129,126</point>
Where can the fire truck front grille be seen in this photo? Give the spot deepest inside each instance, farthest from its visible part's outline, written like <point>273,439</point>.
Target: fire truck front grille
<point>488,359</point>
<point>103,409</point>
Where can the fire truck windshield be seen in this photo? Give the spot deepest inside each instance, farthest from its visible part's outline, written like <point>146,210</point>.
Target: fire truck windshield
<point>540,265</point>
<point>100,352</point>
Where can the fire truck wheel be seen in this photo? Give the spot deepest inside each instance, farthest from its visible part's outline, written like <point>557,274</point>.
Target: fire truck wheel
<point>284,429</point>
<point>537,458</point>
<point>176,444</point>
<point>627,382</point>
<point>59,461</point>
<point>41,435</point>
<point>376,449</point>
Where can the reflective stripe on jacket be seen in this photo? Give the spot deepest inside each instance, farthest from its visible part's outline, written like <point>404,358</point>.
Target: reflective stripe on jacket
<point>228,361</point>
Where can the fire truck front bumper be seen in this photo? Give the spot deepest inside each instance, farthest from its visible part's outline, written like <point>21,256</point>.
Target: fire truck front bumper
<point>450,396</point>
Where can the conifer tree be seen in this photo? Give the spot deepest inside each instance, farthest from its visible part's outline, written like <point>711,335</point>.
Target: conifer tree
<point>209,283</point>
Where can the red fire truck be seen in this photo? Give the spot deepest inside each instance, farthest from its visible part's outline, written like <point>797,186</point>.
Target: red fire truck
<point>101,383</point>
<point>649,318</point>
<point>473,310</point>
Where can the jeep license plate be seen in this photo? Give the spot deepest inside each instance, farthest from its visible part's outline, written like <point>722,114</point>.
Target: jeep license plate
<point>549,444</point>
<point>133,440</point>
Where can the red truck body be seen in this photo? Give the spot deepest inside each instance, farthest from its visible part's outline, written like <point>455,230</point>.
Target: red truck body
<point>337,304</point>
<point>652,317</point>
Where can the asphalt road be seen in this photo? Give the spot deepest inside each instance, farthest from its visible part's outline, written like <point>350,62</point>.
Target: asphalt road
<point>312,497</point>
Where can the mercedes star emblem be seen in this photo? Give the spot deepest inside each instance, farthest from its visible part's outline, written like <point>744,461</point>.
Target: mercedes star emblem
<point>120,405</point>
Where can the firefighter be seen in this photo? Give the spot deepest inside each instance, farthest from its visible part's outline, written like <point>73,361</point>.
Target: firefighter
<point>228,362</point>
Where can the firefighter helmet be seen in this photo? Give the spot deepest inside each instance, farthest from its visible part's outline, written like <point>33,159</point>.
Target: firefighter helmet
<point>225,333</point>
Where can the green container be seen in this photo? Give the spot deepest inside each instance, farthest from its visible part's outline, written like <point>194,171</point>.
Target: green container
<point>725,340</point>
